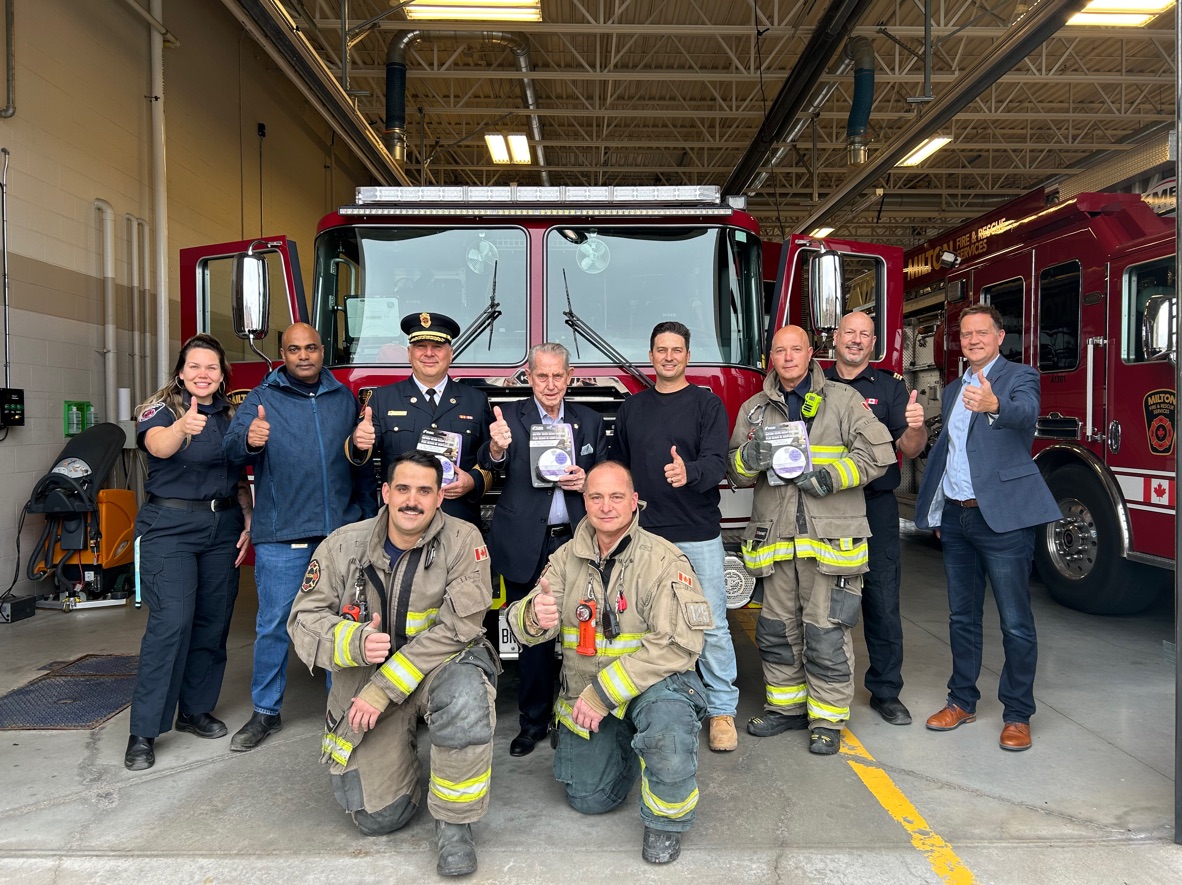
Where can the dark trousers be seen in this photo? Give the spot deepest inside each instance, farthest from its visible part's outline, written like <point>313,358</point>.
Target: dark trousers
<point>882,624</point>
<point>189,583</point>
<point>536,666</point>
<point>973,551</point>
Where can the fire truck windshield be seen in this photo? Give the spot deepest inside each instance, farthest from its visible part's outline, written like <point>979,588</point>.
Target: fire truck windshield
<point>369,277</point>
<point>624,280</point>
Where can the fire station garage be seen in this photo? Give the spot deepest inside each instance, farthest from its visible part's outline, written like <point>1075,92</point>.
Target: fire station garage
<point>580,172</point>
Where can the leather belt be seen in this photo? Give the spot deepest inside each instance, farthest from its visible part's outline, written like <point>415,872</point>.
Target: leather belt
<point>968,503</point>
<point>181,504</point>
<point>557,531</point>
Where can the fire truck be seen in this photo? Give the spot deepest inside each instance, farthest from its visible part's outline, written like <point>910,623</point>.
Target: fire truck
<point>594,268</point>
<point>1087,291</point>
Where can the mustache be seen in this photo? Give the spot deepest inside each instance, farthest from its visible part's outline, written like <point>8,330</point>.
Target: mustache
<point>410,508</point>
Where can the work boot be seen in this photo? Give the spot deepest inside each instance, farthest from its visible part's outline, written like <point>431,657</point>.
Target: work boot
<point>660,846</point>
<point>457,849</point>
<point>825,741</point>
<point>723,736</point>
<point>255,731</point>
<point>201,724</point>
<point>773,722</point>
<point>140,755</point>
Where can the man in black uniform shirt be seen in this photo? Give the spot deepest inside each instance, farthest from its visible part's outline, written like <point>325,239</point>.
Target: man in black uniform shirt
<point>887,397</point>
<point>396,416</point>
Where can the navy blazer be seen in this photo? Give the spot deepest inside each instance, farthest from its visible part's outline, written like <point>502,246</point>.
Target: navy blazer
<point>1010,489</point>
<point>519,522</point>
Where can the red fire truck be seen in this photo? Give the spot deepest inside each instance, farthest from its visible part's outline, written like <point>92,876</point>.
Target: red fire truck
<point>594,268</point>
<point>1087,290</point>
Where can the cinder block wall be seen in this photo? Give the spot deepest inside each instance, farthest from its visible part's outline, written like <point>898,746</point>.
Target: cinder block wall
<point>81,132</point>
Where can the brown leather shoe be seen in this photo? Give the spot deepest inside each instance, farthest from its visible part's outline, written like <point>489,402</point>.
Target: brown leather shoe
<point>1015,736</point>
<point>949,718</point>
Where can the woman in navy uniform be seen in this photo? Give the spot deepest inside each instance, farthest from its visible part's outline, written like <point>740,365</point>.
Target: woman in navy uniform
<point>191,535</point>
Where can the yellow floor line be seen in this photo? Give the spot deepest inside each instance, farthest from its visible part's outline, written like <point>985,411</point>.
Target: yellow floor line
<point>943,860</point>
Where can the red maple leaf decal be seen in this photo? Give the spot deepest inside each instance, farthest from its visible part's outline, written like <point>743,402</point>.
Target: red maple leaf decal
<point>1159,491</point>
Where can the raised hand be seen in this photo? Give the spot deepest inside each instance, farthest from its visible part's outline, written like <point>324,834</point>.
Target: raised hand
<point>376,647</point>
<point>675,471</point>
<point>363,435</point>
<point>545,606</point>
<point>980,399</point>
<point>192,422</point>
<point>914,411</point>
<point>259,431</point>
<point>499,435</point>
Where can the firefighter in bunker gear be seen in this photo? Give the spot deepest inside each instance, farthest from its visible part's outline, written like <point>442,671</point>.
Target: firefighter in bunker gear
<point>630,701</point>
<point>422,577</point>
<point>807,539</point>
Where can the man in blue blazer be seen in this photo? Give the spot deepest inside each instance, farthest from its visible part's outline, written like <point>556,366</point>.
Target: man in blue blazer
<point>984,495</point>
<point>531,522</point>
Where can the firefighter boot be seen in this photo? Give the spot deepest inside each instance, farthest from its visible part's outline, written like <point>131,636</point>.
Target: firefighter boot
<point>457,850</point>
<point>660,846</point>
<point>825,741</point>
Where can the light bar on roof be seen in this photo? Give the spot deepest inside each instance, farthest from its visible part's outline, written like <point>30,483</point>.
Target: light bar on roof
<point>371,196</point>
<point>546,210</point>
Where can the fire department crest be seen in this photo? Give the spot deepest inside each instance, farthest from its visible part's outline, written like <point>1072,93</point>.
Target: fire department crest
<point>1160,406</point>
<point>311,577</point>
<point>425,320</point>
<point>236,397</point>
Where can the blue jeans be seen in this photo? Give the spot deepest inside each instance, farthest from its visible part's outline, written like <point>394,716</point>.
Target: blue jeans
<point>973,551</point>
<point>278,572</point>
<point>717,661</point>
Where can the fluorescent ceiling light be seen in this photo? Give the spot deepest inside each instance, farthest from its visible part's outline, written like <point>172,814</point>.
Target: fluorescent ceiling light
<point>1120,13</point>
<point>475,10</point>
<point>497,147</point>
<point>519,148</point>
<point>821,232</point>
<point>924,150</point>
<point>516,150</point>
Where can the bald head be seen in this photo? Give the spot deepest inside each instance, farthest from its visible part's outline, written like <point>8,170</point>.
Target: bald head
<point>855,343</point>
<point>302,354</point>
<point>790,355</point>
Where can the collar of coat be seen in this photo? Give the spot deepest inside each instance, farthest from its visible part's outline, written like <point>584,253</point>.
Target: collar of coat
<point>375,549</point>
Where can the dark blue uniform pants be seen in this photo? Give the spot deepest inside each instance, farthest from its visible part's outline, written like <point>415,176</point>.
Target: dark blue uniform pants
<point>189,583</point>
<point>883,626</point>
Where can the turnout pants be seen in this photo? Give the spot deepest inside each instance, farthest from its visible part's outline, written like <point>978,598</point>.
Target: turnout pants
<point>803,634</point>
<point>657,741</point>
<point>380,783</point>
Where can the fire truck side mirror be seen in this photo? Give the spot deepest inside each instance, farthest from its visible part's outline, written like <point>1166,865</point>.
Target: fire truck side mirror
<point>250,297</point>
<point>825,290</point>
<point>1159,325</point>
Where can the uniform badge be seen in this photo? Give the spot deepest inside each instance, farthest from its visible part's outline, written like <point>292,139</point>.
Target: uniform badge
<point>697,614</point>
<point>364,397</point>
<point>151,410</point>
<point>685,579</point>
<point>481,553</point>
<point>872,400</point>
<point>396,413</point>
<point>425,320</point>
<point>311,577</point>
<point>464,417</point>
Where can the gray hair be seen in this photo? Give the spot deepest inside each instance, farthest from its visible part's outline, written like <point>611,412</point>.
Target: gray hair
<point>550,348</point>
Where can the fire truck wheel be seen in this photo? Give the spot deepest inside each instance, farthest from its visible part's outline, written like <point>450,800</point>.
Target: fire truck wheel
<point>1078,557</point>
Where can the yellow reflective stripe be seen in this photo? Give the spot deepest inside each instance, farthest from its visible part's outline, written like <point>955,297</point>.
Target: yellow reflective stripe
<point>618,685</point>
<point>787,695</point>
<point>566,716</point>
<point>337,747</point>
<point>850,555</point>
<point>848,472</point>
<point>661,808</point>
<point>817,710</point>
<point>743,471</point>
<point>342,636</point>
<point>417,622</point>
<point>471,790</point>
<point>760,557</point>
<point>624,644</point>
<point>402,673</point>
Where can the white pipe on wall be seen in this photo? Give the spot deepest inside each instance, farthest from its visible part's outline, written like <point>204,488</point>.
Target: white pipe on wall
<point>160,188</point>
<point>133,241</point>
<point>143,234</point>
<point>108,259</point>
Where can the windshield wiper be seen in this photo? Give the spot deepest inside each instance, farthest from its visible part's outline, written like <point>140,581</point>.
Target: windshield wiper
<point>484,320</point>
<point>579,326</point>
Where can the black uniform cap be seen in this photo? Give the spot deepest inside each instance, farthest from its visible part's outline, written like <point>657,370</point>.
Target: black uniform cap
<point>427,326</point>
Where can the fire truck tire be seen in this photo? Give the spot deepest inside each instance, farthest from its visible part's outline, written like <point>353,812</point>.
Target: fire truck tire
<point>1078,557</point>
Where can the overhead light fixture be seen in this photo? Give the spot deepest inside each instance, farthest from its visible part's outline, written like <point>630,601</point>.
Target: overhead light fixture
<point>475,10</point>
<point>821,232</point>
<point>513,148</point>
<point>925,149</point>
<point>1120,13</point>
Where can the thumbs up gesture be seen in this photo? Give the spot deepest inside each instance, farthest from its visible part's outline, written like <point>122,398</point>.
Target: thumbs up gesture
<point>545,606</point>
<point>675,471</point>
<point>980,399</point>
<point>376,647</point>
<point>363,434</point>
<point>499,435</point>
<point>913,414</point>
<point>192,422</point>
<point>259,431</point>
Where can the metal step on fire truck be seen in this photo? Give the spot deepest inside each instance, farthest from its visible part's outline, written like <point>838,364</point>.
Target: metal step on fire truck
<point>594,268</point>
<point>1088,292</point>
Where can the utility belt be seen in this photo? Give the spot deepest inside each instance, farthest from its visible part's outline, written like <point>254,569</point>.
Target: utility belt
<point>215,504</point>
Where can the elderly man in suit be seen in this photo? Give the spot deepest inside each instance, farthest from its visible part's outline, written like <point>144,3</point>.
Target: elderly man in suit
<point>531,521</point>
<point>984,495</point>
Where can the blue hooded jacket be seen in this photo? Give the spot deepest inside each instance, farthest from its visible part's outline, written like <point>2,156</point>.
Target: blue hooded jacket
<point>304,485</point>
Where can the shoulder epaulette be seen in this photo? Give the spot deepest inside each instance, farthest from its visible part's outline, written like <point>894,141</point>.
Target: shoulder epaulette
<point>897,376</point>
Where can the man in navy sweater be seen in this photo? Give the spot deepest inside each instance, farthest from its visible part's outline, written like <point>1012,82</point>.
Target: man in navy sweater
<point>674,439</point>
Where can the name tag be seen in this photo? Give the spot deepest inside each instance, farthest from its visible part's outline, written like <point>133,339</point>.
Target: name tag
<point>396,413</point>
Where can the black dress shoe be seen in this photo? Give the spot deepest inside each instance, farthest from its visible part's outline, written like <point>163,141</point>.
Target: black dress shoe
<point>140,755</point>
<point>525,742</point>
<point>201,724</point>
<point>892,710</point>
<point>255,731</point>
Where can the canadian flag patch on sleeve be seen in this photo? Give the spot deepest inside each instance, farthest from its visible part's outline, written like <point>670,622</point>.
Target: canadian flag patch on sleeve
<point>481,553</point>
<point>685,579</point>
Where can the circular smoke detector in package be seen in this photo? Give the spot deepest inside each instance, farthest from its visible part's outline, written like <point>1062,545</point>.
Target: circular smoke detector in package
<point>449,469</point>
<point>552,464</point>
<point>788,462</point>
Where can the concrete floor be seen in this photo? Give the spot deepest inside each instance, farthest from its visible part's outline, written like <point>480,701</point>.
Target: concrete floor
<point>1092,802</point>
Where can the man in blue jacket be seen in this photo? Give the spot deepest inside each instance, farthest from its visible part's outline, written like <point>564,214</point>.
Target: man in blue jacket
<point>290,429</point>
<point>984,495</point>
